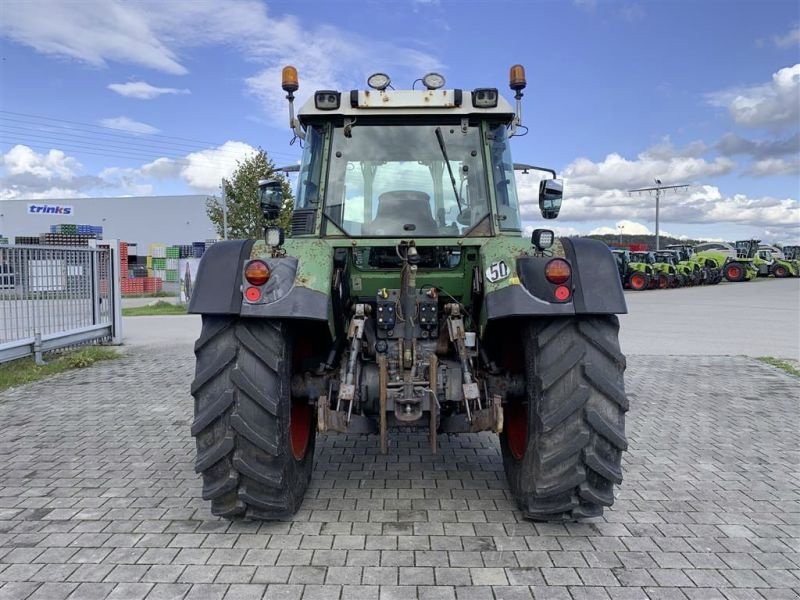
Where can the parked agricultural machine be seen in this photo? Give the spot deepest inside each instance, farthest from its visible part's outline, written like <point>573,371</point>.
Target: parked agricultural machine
<point>405,297</point>
<point>664,274</point>
<point>709,268</point>
<point>633,275</point>
<point>778,263</point>
<point>735,262</point>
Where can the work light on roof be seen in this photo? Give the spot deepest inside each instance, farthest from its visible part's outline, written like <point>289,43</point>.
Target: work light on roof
<point>433,81</point>
<point>379,81</point>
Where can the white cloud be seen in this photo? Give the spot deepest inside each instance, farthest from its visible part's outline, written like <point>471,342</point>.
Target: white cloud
<point>93,31</point>
<point>204,170</point>
<point>772,105</point>
<point>22,160</point>
<point>731,144</point>
<point>597,192</point>
<point>153,33</point>
<point>25,173</point>
<point>615,172</point>
<point>624,226</point>
<point>792,38</point>
<point>128,124</point>
<point>143,90</point>
<point>774,166</point>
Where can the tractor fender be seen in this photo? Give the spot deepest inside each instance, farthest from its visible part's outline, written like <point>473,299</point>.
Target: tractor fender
<point>281,297</point>
<point>596,285</point>
<point>218,286</point>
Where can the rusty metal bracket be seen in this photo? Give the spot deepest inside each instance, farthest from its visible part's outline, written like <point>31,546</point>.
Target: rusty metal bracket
<point>433,365</point>
<point>383,377</point>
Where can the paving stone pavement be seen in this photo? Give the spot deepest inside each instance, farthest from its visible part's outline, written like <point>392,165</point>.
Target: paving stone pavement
<point>98,500</point>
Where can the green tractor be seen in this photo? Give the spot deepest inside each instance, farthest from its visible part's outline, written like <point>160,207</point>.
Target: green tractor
<point>686,274</point>
<point>709,269</point>
<point>792,255</point>
<point>664,275</point>
<point>779,265</point>
<point>406,298</point>
<point>747,258</point>
<point>633,275</point>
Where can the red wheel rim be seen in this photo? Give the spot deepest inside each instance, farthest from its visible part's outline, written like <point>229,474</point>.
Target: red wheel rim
<point>300,429</point>
<point>734,272</point>
<point>663,282</point>
<point>516,426</point>
<point>637,281</point>
<point>780,272</point>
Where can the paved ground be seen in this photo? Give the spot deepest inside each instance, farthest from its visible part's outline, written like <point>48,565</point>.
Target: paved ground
<point>757,318</point>
<point>760,318</point>
<point>98,500</point>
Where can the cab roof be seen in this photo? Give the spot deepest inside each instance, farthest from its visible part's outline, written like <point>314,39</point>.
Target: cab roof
<point>360,103</point>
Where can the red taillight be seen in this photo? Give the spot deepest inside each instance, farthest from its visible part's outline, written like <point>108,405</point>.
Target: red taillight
<point>253,294</point>
<point>561,293</point>
<point>256,272</point>
<point>557,271</point>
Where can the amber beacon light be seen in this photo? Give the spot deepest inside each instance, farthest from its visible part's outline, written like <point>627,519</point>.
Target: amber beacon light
<point>289,81</point>
<point>516,78</point>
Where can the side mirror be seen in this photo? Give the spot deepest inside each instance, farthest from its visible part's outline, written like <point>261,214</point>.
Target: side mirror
<point>271,198</point>
<point>551,192</point>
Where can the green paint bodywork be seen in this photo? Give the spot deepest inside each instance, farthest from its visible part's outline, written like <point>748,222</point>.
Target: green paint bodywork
<point>315,263</point>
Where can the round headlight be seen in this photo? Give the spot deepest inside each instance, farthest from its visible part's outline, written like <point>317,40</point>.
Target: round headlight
<point>379,81</point>
<point>433,81</point>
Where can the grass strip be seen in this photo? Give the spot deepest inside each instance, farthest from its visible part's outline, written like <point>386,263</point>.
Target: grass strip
<point>25,370</point>
<point>158,308</point>
<point>783,365</point>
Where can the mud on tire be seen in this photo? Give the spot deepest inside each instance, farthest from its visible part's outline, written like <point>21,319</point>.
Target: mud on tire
<point>562,445</point>
<point>255,448</point>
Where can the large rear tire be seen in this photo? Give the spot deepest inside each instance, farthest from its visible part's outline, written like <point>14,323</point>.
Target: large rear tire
<point>255,447</point>
<point>735,272</point>
<point>780,271</point>
<point>562,444</point>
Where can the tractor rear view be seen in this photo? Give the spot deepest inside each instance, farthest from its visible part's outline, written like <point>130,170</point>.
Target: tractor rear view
<point>406,297</point>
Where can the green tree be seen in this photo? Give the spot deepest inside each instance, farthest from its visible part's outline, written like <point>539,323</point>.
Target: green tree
<point>245,220</point>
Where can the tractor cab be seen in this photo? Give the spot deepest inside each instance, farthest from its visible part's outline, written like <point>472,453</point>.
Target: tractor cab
<point>436,163</point>
<point>747,249</point>
<point>646,257</point>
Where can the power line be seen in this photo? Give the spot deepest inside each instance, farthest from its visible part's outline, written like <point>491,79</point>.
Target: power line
<point>112,132</point>
<point>79,145</point>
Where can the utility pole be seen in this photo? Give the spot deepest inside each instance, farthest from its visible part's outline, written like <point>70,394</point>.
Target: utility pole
<point>224,211</point>
<point>657,190</point>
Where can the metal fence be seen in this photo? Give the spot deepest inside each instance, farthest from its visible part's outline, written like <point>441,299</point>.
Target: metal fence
<point>52,297</point>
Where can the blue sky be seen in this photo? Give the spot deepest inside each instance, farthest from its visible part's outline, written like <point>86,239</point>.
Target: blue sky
<point>134,98</point>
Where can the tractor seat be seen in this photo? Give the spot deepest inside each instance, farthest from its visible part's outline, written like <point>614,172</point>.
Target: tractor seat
<point>399,208</point>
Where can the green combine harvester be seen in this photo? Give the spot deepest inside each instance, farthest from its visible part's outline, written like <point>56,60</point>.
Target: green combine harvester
<point>406,299</point>
<point>633,275</point>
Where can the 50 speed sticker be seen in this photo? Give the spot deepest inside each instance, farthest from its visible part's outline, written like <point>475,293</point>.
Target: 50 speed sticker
<point>497,270</point>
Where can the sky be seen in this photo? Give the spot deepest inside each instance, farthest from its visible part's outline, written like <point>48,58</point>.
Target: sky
<point>141,97</point>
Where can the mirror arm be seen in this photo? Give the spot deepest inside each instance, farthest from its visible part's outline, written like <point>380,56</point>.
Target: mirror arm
<point>294,123</point>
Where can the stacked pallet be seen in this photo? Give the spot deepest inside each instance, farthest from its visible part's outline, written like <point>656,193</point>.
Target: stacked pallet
<point>3,240</point>
<point>26,240</point>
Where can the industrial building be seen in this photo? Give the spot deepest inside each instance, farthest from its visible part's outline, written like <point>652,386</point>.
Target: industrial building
<point>142,220</point>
